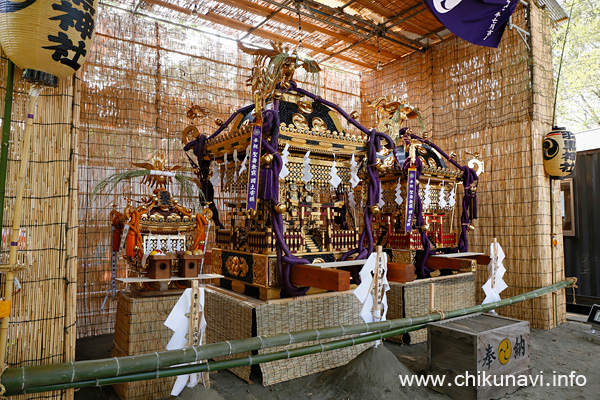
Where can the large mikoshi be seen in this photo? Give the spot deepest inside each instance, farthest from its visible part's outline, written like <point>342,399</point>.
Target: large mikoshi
<point>159,238</point>
<point>285,174</point>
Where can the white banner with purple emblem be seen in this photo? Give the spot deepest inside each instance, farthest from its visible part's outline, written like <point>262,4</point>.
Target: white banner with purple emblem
<point>480,22</point>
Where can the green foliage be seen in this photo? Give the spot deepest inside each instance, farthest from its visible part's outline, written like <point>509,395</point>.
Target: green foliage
<point>578,102</point>
<point>109,183</point>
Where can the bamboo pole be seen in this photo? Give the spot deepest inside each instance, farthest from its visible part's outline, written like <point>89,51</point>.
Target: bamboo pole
<point>70,375</point>
<point>232,363</point>
<point>6,123</point>
<point>16,227</point>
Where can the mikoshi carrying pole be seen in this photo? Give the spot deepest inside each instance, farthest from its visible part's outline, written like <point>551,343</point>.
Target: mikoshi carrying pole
<point>112,370</point>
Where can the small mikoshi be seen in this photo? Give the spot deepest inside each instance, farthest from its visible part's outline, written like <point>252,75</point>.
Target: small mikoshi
<point>159,236</point>
<point>296,196</point>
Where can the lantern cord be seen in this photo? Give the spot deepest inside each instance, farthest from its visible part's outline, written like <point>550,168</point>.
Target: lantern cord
<point>562,53</point>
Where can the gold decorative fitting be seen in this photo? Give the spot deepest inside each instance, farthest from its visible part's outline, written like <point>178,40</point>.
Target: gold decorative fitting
<point>196,111</point>
<point>218,121</point>
<point>189,133</point>
<point>285,85</point>
<point>280,208</point>
<point>425,228</point>
<point>300,122</point>
<point>375,209</point>
<point>250,213</point>
<point>319,125</point>
<point>207,212</point>
<point>389,162</point>
<point>453,155</point>
<point>471,228</point>
<point>380,166</point>
<point>354,114</point>
<point>305,107</point>
<point>236,266</point>
<point>266,159</point>
<point>277,94</point>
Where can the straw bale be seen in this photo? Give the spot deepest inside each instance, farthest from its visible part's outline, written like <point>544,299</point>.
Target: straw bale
<point>311,312</point>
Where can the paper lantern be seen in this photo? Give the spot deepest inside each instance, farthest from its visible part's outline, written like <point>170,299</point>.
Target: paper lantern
<point>52,36</point>
<point>560,152</point>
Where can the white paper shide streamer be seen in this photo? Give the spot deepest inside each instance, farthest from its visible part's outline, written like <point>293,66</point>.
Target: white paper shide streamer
<point>179,323</point>
<point>495,284</point>
<point>399,199</point>
<point>236,161</point>
<point>225,162</point>
<point>427,195</point>
<point>335,178</point>
<point>284,160</point>
<point>381,200</point>
<point>245,161</point>
<point>354,179</point>
<point>373,298</point>
<point>442,198</point>
<point>452,200</point>
<point>216,174</point>
<point>306,174</point>
<point>351,200</point>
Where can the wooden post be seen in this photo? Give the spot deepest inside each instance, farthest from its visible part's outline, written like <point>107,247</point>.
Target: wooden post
<point>494,264</point>
<point>377,303</point>
<point>194,334</point>
<point>431,297</point>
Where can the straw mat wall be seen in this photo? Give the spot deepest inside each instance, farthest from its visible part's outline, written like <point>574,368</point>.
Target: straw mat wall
<point>140,79</point>
<point>42,323</point>
<point>496,102</point>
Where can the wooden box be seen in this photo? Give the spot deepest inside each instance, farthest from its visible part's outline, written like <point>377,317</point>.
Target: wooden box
<point>189,266</point>
<point>401,273</point>
<point>160,266</point>
<point>256,275</point>
<point>482,356</point>
<point>411,299</point>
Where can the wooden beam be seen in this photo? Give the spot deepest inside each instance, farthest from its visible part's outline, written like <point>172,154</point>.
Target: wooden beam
<point>376,8</point>
<point>237,25</point>
<point>323,278</point>
<point>290,20</point>
<point>457,264</point>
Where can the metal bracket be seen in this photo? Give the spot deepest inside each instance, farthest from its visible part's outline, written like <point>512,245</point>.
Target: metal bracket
<point>522,32</point>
